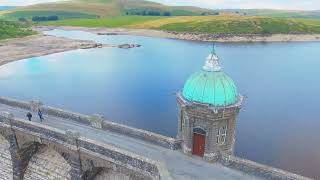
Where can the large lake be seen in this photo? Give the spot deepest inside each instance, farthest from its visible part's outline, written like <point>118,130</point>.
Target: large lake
<point>279,124</point>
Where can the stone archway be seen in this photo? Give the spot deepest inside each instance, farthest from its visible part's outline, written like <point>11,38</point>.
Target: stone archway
<point>101,173</point>
<point>47,164</point>
<point>108,174</point>
<point>6,172</point>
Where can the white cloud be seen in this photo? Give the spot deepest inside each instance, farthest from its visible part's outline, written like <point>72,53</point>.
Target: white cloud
<point>212,4</point>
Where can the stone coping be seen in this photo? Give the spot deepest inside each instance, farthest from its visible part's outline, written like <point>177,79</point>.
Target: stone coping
<point>257,169</point>
<point>97,122</point>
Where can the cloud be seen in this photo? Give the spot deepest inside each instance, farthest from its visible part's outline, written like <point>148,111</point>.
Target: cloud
<point>212,4</point>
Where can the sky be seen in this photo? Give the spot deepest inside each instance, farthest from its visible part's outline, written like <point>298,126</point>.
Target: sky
<point>212,4</point>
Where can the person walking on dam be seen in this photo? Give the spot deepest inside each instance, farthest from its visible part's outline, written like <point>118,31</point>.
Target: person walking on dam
<point>40,115</point>
<point>29,116</point>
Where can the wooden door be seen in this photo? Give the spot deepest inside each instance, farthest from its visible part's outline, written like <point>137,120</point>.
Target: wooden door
<point>198,144</point>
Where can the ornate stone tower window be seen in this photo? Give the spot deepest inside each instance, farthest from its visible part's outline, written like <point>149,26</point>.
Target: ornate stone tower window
<point>221,135</point>
<point>208,105</point>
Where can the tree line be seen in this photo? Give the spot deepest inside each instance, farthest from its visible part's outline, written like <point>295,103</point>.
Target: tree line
<point>45,18</point>
<point>148,13</point>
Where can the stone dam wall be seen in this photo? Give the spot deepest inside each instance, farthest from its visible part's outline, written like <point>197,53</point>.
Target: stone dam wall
<point>41,152</point>
<point>96,121</point>
<point>257,169</point>
<point>95,156</point>
<point>5,162</point>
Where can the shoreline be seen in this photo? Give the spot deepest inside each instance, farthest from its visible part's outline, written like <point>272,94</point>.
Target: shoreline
<point>16,49</point>
<point>41,44</point>
<point>190,36</point>
<point>38,45</point>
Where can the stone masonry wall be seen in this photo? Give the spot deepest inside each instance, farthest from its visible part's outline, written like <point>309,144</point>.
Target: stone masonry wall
<point>47,165</point>
<point>72,146</point>
<point>5,160</point>
<point>197,115</point>
<point>257,169</point>
<point>99,122</point>
<point>105,175</point>
<point>62,151</point>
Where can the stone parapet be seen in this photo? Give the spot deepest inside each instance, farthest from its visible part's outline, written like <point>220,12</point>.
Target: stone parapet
<point>15,103</point>
<point>27,138</point>
<point>257,169</point>
<point>151,137</point>
<point>118,156</point>
<point>77,117</point>
<point>98,122</point>
<point>63,140</point>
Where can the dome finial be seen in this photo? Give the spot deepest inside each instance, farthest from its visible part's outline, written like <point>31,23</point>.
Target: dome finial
<point>212,62</point>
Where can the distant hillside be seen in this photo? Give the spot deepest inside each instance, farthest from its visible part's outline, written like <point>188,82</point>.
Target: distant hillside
<point>100,8</point>
<point>222,24</point>
<point>275,13</point>
<point>13,30</point>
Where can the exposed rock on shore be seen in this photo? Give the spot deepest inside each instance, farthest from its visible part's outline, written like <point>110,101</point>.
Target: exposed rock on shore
<point>39,45</point>
<point>245,37</point>
<point>128,46</point>
<point>107,34</point>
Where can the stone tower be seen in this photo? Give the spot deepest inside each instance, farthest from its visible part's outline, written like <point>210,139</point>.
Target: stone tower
<point>208,109</point>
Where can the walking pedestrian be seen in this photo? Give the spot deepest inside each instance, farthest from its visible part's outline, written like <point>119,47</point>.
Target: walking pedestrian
<point>29,116</point>
<point>40,115</point>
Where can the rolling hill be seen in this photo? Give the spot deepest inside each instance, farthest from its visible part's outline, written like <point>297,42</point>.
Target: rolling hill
<point>222,24</point>
<point>275,13</point>
<point>150,15</point>
<point>99,9</point>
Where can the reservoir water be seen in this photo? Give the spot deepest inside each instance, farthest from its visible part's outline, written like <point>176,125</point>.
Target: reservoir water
<point>278,125</point>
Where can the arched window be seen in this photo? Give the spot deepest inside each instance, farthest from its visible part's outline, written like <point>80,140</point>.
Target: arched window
<point>221,134</point>
<point>199,130</point>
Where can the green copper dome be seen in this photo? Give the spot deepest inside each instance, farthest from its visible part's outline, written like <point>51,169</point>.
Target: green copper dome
<point>211,85</point>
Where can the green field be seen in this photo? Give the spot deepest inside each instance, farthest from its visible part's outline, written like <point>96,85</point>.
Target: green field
<point>275,13</point>
<point>204,24</point>
<point>13,30</point>
<point>61,14</point>
<point>121,21</point>
<point>123,13</point>
<point>84,9</point>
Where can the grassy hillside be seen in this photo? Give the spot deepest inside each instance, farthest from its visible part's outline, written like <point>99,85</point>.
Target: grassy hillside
<point>13,30</point>
<point>276,13</point>
<point>224,24</point>
<point>120,21</point>
<point>62,14</point>
<point>97,8</point>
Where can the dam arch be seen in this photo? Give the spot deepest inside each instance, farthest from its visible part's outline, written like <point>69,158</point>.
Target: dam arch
<point>47,164</point>
<point>6,172</point>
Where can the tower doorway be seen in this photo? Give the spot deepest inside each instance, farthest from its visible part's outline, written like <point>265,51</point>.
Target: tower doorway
<point>199,136</point>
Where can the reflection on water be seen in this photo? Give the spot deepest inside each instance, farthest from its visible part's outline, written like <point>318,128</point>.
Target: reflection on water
<point>278,125</point>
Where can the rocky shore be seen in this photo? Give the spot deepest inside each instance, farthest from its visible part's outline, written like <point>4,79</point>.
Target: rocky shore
<point>247,37</point>
<point>38,45</point>
<point>193,36</point>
